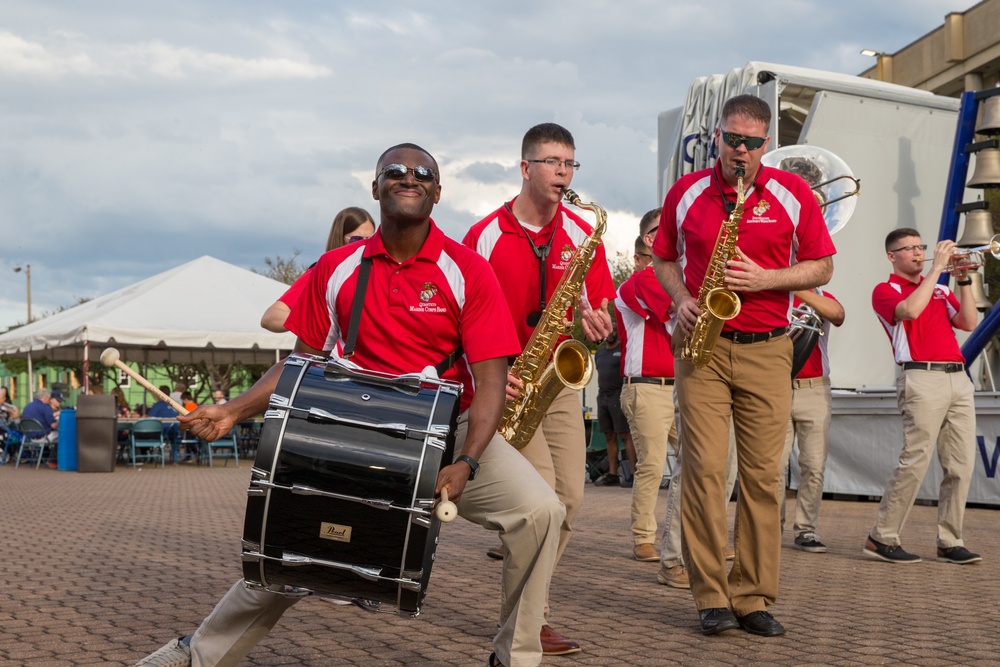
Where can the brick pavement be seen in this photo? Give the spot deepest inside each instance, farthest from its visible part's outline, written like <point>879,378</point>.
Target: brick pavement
<point>101,569</point>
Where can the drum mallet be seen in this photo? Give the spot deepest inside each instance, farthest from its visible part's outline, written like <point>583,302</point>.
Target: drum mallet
<point>446,510</point>
<point>111,357</point>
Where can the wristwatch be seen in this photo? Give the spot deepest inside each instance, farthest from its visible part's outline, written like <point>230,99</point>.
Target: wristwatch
<point>473,465</point>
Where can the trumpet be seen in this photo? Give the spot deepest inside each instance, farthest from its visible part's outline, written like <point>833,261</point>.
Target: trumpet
<point>967,259</point>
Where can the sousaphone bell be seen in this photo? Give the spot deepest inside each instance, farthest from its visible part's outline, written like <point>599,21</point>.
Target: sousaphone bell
<point>836,189</point>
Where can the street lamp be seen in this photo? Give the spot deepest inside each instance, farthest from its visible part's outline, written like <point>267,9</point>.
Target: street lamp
<point>883,63</point>
<point>31,374</point>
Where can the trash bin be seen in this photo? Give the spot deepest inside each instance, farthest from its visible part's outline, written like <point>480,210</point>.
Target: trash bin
<point>97,433</point>
<point>66,448</point>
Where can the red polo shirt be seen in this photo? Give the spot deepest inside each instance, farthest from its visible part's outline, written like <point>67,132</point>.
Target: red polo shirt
<point>643,310</point>
<point>291,295</point>
<point>782,224</point>
<point>415,313</point>
<point>504,243</point>
<point>818,363</point>
<point>930,336</point>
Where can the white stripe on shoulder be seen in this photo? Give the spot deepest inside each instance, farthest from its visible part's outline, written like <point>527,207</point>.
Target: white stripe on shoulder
<point>690,195</point>
<point>488,238</point>
<point>576,233</point>
<point>787,200</point>
<point>453,274</point>
<point>340,275</point>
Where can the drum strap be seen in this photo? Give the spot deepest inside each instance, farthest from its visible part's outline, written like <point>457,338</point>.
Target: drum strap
<point>356,309</point>
<point>357,306</point>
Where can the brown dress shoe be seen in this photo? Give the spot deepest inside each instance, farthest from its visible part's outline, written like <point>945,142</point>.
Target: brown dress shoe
<point>554,643</point>
<point>645,552</point>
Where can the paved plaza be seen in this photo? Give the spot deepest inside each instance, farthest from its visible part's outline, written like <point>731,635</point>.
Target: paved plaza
<point>103,568</point>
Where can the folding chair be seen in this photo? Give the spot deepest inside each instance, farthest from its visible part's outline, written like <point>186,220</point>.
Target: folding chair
<point>229,444</point>
<point>33,441</point>
<point>147,434</point>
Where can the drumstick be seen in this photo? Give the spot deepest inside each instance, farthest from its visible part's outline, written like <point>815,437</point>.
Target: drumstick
<point>111,357</point>
<point>446,510</point>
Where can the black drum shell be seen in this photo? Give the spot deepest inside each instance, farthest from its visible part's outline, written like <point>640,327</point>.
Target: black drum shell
<point>363,463</point>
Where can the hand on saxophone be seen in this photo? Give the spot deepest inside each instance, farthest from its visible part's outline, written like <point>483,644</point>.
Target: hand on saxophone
<point>687,315</point>
<point>745,275</point>
<point>513,388</point>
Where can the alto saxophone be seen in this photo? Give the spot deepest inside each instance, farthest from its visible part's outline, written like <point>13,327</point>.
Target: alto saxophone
<point>544,372</point>
<point>717,303</point>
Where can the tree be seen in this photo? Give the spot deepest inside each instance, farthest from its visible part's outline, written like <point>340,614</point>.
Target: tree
<point>281,269</point>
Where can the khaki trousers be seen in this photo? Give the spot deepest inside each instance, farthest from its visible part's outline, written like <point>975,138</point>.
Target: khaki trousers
<point>649,409</point>
<point>749,383</point>
<point>937,408</point>
<point>671,551</point>
<point>507,496</point>
<point>810,426</point>
<point>558,451</point>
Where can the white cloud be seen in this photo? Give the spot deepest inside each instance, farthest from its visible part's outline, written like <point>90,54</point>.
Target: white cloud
<point>87,58</point>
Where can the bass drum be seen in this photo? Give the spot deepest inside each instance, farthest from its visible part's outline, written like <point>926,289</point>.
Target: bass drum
<point>342,489</point>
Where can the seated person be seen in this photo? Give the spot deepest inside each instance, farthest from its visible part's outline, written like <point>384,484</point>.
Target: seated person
<point>40,410</point>
<point>163,410</point>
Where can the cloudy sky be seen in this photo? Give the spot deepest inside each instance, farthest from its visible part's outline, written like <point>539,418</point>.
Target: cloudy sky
<point>136,136</point>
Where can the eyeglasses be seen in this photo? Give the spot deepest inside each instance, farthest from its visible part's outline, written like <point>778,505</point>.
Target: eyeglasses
<point>355,239</point>
<point>555,162</point>
<point>911,248</point>
<point>643,254</point>
<point>398,172</point>
<point>652,230</point>
<point>734,141</point>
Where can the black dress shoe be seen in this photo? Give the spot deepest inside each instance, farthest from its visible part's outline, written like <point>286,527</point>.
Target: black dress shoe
<point>761,623</point>
<point>716,620</point>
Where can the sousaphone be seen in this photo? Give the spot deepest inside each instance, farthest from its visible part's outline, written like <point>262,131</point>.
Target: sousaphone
<point>836,189</point>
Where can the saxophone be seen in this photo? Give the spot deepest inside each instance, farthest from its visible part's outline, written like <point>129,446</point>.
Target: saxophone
<point>544,372</point>
<point>717,303</point>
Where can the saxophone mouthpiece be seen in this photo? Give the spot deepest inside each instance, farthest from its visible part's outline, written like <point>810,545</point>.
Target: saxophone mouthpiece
<point>741,171</point>
<point>571,196</point>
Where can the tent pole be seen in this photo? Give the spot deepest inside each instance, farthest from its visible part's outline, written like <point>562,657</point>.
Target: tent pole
<point>86,367</point>
<point>31,378</point>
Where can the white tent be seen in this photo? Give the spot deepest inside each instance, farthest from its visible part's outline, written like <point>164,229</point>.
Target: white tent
<point>205,310</point>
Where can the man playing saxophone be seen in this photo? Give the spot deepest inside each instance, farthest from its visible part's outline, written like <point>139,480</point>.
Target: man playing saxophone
<point>782,245</point>
<point>531,242</point>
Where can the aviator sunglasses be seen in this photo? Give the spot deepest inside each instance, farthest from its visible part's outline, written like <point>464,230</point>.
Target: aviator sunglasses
<point>398,172</point>
<point>734,141</point>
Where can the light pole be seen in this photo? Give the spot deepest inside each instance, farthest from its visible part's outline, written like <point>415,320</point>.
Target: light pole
<point>31,374</point>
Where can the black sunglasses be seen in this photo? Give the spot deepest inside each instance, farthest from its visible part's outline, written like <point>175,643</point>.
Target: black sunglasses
<point>398,172</point>
<point>734,141</point>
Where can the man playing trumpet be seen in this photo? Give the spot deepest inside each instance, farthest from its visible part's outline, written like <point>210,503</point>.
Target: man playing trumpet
<point>934,394</point>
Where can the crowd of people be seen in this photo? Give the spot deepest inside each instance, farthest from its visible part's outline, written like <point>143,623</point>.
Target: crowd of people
<point>402,297</point>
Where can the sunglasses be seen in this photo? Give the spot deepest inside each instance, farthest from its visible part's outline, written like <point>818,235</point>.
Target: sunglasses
<point>355,239</point>
<point>734,141</point>
<point>398,172</point>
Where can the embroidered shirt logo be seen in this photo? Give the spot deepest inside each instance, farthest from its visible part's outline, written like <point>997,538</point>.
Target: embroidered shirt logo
<point>427,302</point>
<point>758,217</point>
<point>428,291</point>
<point>567,253</point>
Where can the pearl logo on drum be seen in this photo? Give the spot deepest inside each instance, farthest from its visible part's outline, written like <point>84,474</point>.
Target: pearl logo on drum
<point>335,532</point>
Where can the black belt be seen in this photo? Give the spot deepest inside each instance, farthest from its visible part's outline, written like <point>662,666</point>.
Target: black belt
<point>663,382</point>
<point>742,337</point>
<point>950,367</point>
